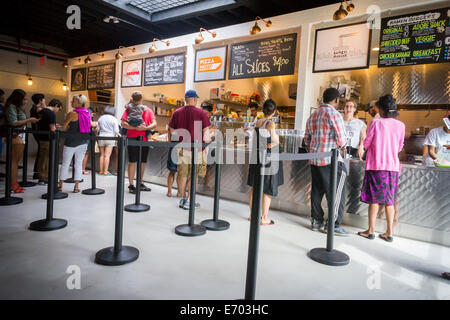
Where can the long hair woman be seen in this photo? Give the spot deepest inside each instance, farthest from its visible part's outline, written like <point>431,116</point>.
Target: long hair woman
<point>383,142</point>
<point>16,118</point>
<point>77,121</point>
<point>273,177</point>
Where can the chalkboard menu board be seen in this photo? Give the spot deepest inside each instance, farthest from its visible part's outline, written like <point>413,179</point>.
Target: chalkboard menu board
<point>101,77</point>
<point>412,39</point>
<point>263,58</point>
<point>166,69</point>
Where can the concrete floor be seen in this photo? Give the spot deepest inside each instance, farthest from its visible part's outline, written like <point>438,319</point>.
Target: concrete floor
<point>33,264</point>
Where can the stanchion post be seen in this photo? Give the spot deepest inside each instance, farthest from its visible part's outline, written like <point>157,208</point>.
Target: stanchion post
<point>119,254</point>
<point>137,206</point>
<point>8,200</point>
<point>93,191</point>
<point>49,223</point>
<point>57,195</point>
<point>215,224</point>
<point>25,183</point>
<point>328,255</point>
<point>191,229</point>
<point>253,243</point>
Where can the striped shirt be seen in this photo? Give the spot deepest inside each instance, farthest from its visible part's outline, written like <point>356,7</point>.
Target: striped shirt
<point>325,130</point>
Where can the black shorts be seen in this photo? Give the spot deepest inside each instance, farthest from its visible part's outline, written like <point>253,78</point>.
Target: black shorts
<point>133,153</point>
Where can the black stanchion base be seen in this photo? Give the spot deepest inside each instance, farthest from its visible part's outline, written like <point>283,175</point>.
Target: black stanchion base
<point>215,225</point>
<point>58,196</point>
<point>93,192</point>
<point>9,201</point>
<point>70,180</point>
<point>48,225</point>
<point>190,231</point>
<point>331,258</point>
<point>108,257</point>
<point>136,207</point>
<point>27,184</point>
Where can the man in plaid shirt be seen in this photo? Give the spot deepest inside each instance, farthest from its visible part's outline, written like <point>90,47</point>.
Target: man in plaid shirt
<point>325,131</point>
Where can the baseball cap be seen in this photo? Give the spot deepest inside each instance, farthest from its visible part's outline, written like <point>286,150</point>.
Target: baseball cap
<point>191,94</point>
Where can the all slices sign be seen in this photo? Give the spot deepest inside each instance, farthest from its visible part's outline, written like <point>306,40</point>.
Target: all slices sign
<point>210,64</point>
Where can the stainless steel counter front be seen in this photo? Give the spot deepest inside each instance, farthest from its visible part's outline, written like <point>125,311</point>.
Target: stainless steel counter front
<point>424,193</point>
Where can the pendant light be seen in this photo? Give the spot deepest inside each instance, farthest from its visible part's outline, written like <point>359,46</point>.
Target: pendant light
<point>350,6</point>
<point>341,13</point>
<point>87,60</point>
<point>30,80</point>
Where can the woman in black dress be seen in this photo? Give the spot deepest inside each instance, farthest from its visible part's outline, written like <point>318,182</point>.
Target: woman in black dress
<point>273,178</point>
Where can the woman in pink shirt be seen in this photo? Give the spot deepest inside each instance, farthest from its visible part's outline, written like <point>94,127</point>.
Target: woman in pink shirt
<point>383,142</point>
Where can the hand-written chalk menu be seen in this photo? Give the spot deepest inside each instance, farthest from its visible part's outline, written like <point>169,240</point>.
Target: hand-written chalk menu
<point>166,69</point>
<point>101,77</point>
<point>263,58</point>
<point>419,38</point>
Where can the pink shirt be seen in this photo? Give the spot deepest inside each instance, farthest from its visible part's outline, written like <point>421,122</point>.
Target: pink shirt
<point>148,116</point>
<point>383,142</point>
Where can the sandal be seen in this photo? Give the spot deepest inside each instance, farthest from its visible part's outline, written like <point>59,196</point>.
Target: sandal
<point>75,190</point>
<point>268,224</point>
<point>16,188</point>
<point>388,238</point>
<point>369,236</point>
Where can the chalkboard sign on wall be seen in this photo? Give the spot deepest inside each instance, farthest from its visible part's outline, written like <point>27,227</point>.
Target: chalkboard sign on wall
<point>264,57</point>
<point>166,69</point>
<point>412,39</point>
<point>101,77</point>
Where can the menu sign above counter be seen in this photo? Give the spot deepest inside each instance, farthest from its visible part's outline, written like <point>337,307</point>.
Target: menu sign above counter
<point>263,58</point>
<point>419,38</point>
<point>101,77</point>
<point>164,69</point>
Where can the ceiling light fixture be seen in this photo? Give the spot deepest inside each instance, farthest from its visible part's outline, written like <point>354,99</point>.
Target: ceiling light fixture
<point>256,29</point>
<point>154,48</point>
<point>30,80</point>
<point>109,18</point>
<point>200,38</point>
<point>340,13</point>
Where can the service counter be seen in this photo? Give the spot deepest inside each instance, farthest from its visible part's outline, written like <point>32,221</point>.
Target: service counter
<point>424,196</point>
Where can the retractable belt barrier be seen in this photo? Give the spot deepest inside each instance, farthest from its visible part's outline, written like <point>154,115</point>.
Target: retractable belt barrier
<point>328,255</point>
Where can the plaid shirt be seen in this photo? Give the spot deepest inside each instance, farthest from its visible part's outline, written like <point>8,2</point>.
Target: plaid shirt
<point>325,130</point>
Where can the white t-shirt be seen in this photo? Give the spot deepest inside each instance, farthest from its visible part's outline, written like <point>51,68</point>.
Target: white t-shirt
<point>353,132</point>
<point>108,125</point>
<point>437,137</point>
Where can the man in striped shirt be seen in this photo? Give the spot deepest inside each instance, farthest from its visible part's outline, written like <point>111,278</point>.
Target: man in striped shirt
<point>325,130</point>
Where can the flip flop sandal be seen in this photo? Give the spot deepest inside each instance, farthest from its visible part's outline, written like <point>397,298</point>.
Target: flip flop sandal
<point>16,188</point>
<point>388,239</point>
<point>268,224</point>
<point>370,236</point>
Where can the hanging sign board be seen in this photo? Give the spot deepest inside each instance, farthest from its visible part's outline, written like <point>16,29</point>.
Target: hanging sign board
<point>132,73</point>
<point>101,77</point>
<point>166,69</point>
<point>210,64</point>
<point>419,38</point>
<point>263,58</point>
<point>342,48</point>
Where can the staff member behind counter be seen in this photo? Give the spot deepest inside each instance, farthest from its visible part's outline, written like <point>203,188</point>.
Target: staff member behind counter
<point>438,143</point>
<point>355,131</point>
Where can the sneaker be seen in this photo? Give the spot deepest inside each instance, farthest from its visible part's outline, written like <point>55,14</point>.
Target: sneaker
<point>182,202</point>
<point>186,205</point>
<point>316,225</point>
<point>145,188</point>
<point>132,189</point>
<point>339,231</point>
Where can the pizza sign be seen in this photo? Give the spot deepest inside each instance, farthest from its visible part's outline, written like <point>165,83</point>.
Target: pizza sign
<point>210,64</point>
